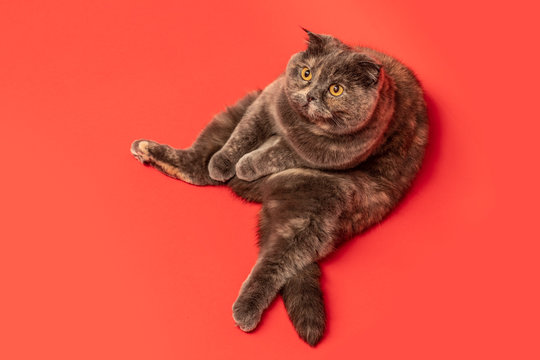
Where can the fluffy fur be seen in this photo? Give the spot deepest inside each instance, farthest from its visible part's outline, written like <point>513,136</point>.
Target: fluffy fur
<point>324,167</point>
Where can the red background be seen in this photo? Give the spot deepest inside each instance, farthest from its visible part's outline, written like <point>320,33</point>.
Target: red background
<point>103,258</point>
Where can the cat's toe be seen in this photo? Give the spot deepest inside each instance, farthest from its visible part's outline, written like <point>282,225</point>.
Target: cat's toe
<point>246,315</point>
<point>220,168</point>
<point>140,150</point>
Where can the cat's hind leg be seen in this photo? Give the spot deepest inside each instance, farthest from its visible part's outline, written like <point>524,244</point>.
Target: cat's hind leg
<point>191,165</point>
<point>303,300</point>
<point>176,163</point>
<point>299,224</point>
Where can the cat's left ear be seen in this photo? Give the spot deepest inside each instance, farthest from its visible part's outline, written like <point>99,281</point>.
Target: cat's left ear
<point>370,72</point>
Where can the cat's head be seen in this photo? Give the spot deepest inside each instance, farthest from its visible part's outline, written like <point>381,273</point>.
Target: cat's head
<point>332,85</point>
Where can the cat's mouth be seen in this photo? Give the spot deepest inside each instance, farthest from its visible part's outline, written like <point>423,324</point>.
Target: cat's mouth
<point>325,120</point>
<point>315,112</point>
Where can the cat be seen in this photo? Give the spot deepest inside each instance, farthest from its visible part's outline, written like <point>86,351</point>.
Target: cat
<point>328,148</point>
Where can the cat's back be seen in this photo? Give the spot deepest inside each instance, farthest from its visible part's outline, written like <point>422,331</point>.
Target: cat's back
<point>409,96</point>
<point>398,159</point>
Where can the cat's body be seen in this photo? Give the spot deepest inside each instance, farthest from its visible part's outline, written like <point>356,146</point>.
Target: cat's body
<point>328,151</point>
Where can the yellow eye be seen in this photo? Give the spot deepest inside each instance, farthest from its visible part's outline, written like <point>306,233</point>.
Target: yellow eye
<point>306,74</point>
<point>336,90</point>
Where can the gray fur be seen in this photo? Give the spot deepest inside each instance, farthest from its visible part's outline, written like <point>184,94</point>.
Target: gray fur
<point>324,167</point>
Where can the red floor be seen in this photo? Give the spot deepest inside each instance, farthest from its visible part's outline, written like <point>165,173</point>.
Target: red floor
<point>102,258</point>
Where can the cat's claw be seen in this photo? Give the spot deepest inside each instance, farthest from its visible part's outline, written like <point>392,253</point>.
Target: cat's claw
<point>220,167</point>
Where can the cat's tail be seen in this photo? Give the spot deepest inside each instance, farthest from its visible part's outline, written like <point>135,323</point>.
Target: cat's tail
<point>303,300</point>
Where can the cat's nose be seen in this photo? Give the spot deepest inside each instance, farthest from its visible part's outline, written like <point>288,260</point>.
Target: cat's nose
<point>310,97</point>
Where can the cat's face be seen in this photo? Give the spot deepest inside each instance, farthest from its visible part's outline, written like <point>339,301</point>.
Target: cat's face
<point>332,85</point>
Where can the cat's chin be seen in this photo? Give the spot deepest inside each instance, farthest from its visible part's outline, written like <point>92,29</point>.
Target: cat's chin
<point>331,129</point>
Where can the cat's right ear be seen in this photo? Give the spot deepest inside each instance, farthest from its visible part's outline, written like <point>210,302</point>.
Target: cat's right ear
<point>316,42</point>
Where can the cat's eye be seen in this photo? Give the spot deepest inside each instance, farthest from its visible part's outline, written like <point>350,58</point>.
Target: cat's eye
<point>306,74</point>
<point>336,90</point>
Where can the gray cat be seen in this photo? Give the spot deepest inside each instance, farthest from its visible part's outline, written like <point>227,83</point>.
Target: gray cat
<point>329,148</point>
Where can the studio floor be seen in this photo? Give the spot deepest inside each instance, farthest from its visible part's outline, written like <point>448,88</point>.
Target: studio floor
<point>103,258</point>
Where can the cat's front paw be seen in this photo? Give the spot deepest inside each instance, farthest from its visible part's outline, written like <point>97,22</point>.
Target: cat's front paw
<point>220,167</point>
<point>245,170</point>
<point>246,314</point>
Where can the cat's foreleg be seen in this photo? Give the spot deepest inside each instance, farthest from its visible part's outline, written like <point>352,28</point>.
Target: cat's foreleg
<point>249,134</point>
<point>191,165</point>
<point>272,157</point>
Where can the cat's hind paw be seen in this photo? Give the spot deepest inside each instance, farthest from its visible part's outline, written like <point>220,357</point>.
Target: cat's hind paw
<point>140,150</point>
<point>246,314</point>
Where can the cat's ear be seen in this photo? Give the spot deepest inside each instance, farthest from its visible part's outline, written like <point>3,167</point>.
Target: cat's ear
<point>370,72</point>
<point>315,42</point>
<point>319,43</point>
